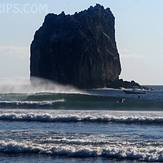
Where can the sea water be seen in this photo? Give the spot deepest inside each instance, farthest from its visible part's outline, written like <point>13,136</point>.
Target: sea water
<point>101,125</point>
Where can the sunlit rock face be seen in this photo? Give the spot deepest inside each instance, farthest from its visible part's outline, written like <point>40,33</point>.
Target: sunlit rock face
<point>77,49</point>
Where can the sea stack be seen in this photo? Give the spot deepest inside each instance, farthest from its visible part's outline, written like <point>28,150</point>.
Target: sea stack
<point>78,50</point>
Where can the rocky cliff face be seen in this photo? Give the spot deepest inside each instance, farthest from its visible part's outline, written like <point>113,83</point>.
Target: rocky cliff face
<point>77,49</point>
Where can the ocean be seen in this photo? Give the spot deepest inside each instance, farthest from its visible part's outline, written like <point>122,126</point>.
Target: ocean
<point>62,124</point>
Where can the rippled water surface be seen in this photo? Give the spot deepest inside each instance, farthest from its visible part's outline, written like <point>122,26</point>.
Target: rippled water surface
<point>91,126</point>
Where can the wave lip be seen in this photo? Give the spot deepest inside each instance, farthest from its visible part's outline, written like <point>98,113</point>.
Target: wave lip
<point>51,117</point>
<point>119,151</point>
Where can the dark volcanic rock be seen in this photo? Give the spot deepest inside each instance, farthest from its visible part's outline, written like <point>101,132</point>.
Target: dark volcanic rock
<point>77,49</point>
<point>125,84</point>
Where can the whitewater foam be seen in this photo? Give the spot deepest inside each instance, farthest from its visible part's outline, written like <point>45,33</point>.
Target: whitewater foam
<point>119,151</point>
<point>82,116</point>
<point>44,102</point>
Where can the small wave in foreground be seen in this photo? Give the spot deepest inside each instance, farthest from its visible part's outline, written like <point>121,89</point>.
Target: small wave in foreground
<point>119,151</point>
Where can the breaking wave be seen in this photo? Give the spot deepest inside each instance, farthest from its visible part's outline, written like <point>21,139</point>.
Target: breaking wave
<point>78,117</point>
<point>118,151</point>
<point>23,94</point>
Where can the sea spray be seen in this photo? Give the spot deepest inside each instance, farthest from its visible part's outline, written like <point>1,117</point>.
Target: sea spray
<point>37,85</point>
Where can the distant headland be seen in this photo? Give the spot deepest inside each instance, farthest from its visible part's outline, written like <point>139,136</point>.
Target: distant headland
<point>78,50</point>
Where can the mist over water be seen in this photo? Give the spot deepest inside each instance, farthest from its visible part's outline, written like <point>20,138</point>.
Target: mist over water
<point>40,93</point>
<point>37,85</point>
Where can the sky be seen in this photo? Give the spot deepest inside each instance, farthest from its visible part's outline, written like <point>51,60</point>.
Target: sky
<point>139,35</point>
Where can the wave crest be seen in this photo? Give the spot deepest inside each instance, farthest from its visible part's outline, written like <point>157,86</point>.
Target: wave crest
<point>49,117</point>
<point>112,151</point>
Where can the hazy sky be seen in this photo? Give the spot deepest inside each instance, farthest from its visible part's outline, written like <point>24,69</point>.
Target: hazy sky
<point>139,34</point>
